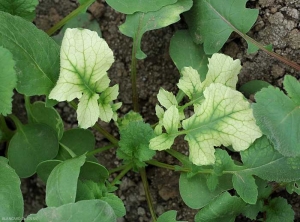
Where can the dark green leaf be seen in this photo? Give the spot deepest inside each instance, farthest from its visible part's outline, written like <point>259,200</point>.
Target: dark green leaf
<point>292,87</point>
<point>93,171</point>
<point>224,208</point>
<point>44,169</point>
<point>31,145</point>
<point>212,21</point>
<point>8,81</point>
<point>116,203</point>
<point>47,115</point>
<point>129,117</point>
<point>62,182</point>
<point>88,189</point>
<point>262,160</point>
<point>11,198</point>
<point>245,186</point>
<point>184,53</point>
<point>134,143</point>
<point>139,23</point>
<point>253,87</point>
<point>35,53</point>
<point>132,6</point>
<point>85,210</point>
<point>24,9</point>
<point>169,216</point>
<point>279,210</point>
<point>277,116</point>
<point>201,195</point>
<point>78,141</point>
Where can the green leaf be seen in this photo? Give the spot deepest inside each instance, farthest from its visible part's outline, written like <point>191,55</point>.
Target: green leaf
<point>94,172</point>
<point>11,198</point>
<point>169,216</point>
<point>44,169</point>
<point>292,87</point>
<point>245,186</point>
<point>224,118</point>
<point>277,114</point>
<point>8,80</point>
<point>79,141</point>
<point>24,9</point>
<point>253,87</point>
<point>139,23</point>
<point>134,143</point>
<point>185,53</point>
<point>62,182</point>
<point>129,117</point>
<point>85,210</point>
<point>132,6</point>
<point>201,195</point>
<point>279,210</point>
<point>82,21</point>
<point>37,60</point>
<point>223,209</point>
<point>31,145</point>
<point>47,115</point>
<point>262,160</point>
<point>116,203</point>
<point>211,22</point>
<point>85,58</point>
<point>88,189</point>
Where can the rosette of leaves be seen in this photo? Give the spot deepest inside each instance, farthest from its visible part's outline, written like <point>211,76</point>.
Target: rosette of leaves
<point>135,135</point>
<point>222,116</point>
<point>84,61</point>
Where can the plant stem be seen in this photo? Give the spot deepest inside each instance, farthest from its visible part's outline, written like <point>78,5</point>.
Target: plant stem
<point>7,133</point>
<point>107,135</point>
<point>147,192</point>
<point>275,55</point>
<point>179,96</point>
<point>68,150</point>
<point>27,107</point>
<point>117,169</point>
<point>99,150</point>
<point>166,166</point>
<point>123,172</point>
<point>97,127</point>
<point>16,121</point>
<point>69,17</point>
<point>179,156</point>
<point>135,98</point>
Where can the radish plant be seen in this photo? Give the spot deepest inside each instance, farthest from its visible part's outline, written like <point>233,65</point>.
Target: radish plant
<point>240,152</point>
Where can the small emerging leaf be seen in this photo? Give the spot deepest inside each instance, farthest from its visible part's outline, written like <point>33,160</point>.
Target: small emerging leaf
<point>134,143</point>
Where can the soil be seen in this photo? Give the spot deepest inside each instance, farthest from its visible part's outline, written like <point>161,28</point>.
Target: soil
<point>278,24</point>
